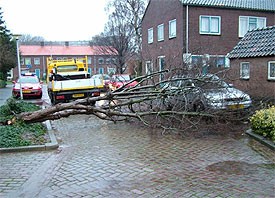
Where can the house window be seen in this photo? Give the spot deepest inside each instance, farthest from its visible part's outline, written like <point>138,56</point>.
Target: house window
<point>245,70</point>
<point>101,70</point>
<point>148,67</point>
<point>111,70</point>
<point>108,61</point>
<point>173,28</point>
<point>210,25</point>
<point>161,64</point>
<point>271,70</point>
<point>150,35</point>
<point>89,60</point>
<point>247,23</point>
<point>37,61</point>
<point>160,32</point>
<point>100,60</point>
<point>27,61</point>
<point>22,61</point>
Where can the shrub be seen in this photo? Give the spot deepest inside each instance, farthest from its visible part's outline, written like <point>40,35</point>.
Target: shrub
<point>263,122</point>
<point>19,134</point>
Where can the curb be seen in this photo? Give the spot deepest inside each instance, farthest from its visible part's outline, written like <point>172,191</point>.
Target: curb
<point>261,139</point>
<point>47,146</point>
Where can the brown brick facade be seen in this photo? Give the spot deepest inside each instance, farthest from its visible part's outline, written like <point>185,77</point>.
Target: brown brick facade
<point>258,85</point>
<point>162,11</point>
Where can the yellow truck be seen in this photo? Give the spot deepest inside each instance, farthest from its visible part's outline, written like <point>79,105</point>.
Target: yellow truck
<point>69,79</point>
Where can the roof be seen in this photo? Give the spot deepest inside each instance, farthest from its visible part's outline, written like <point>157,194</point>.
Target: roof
<point>38,50</point>
<point>255,43</point>
<point>265,5</point>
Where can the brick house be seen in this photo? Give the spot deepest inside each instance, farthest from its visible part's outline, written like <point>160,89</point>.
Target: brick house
<point>253,63</point>
<point>34,57</point>
<point>176,33</point>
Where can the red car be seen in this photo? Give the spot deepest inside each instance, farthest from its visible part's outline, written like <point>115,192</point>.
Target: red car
<point>30,84</point>
<point>120,80</point>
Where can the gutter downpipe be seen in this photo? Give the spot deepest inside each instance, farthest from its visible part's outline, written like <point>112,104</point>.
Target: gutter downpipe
<point>187,28</point>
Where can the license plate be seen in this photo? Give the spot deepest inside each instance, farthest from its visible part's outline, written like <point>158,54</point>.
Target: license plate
<point>236,106</point>
<point>78,95</point>
<point>26,91</point>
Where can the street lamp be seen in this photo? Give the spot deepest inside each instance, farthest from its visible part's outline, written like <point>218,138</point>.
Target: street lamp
<point>17,36</point>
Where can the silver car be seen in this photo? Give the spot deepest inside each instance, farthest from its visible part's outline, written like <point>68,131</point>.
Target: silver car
<point>204,93</point>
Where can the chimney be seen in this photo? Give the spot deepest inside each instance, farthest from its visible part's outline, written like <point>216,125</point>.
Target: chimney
<point>67,43</point>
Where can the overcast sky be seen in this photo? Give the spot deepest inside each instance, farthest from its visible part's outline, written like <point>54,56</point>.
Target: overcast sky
<point>55,20</point>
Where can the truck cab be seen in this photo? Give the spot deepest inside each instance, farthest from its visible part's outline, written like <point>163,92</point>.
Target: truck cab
<point>69,79</point>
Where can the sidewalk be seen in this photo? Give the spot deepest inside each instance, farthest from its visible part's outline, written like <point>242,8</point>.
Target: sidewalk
<point>5,93</point>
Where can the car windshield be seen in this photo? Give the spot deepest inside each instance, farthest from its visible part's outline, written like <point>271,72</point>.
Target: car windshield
<point>28,80</point>
<point>212,84</point>
<point>122,78</point>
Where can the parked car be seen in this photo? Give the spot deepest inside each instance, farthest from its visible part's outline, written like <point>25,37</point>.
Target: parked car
<point>105,78</point>
<point>30,84</point>
<point>204,93</point>
<point>120,80</point>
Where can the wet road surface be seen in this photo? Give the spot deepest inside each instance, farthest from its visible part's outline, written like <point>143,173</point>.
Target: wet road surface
<point>101,159</point>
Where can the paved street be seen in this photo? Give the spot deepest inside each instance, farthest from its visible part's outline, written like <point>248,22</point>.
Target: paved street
<point>100,159</point>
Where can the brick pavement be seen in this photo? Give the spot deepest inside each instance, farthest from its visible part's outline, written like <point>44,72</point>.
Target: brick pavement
<point>101,159</point>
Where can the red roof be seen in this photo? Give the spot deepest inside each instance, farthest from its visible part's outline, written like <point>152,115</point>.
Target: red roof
<point>37,50</point>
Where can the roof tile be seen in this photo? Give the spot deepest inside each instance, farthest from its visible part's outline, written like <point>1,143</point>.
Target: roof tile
<point>259,42</point>
<point>37,50</point>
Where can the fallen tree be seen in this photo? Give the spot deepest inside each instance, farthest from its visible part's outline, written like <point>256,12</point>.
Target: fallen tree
<point>145,102</point>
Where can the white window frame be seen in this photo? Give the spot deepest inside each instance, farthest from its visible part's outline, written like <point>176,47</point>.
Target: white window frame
<point>269,70</point>
<point>210,25</point>
<point>161,32</point>
<point>150,35</point>
<point>161,67</point>
<point>100,61</point>
<point>242,74</point>
<point>245,24</point>
<point>89,60</point>
<point>173,28</point>
<point>36,61</point>
<point>28,61</point>
<point>149,67</point>
<point>111,70</point>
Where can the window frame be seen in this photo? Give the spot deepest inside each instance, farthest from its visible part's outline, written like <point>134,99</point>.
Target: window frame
<point>210,18</point>
<point>247,19</point>
<point>100,61</point>
<point>101,70</point>
<point>150,35</point>
<point>149,67</point>
<point>90,60</point>
<point>174,33</point>
<point>241,71</point>
<point>269,70</point>
<point>161,67</point>
<point>161,32</point>
<point>36,61</point>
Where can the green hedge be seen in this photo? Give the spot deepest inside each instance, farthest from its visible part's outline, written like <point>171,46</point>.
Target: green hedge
<point>263,122</point>
<point>20,133</point>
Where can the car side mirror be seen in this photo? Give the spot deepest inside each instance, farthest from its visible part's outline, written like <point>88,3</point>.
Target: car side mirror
<point>13,82</point>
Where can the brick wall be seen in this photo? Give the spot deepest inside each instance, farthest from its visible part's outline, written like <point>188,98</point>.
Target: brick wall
<point>258,85</point>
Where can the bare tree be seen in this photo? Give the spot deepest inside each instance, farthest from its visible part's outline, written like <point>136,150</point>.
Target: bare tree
<point>122,34</point>
<point>27,38</point>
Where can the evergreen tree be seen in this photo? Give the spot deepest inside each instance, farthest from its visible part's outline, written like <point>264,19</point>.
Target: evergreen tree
<point>8,52</point>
